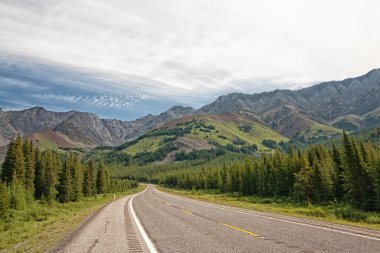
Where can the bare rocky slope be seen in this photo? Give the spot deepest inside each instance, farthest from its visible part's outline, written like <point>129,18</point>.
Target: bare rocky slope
<point>349,104</point>
<point>81,127</point>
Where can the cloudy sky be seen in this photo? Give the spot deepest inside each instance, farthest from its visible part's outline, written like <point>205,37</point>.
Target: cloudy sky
<point>127,58</point>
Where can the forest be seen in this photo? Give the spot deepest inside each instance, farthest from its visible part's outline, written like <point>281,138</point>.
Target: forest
<point>346,172</point>
<point>29,174</point>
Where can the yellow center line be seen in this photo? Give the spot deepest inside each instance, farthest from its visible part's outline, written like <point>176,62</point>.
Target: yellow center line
<point>186,211</point>
<point>241,230</point>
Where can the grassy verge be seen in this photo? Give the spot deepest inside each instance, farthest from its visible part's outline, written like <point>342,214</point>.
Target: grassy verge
<point>40,226</point>
<point>333,212</point>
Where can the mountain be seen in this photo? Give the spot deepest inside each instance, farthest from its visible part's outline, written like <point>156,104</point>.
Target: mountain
<point>212,133</point>
<point>349,104</point>
<point>307,115</point>
<point>79,129</point>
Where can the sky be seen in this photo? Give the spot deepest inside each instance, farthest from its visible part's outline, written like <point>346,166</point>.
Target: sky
<point>128,58</point>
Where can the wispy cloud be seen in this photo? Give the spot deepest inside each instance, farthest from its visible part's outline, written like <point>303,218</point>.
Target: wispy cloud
<point>110,101</point>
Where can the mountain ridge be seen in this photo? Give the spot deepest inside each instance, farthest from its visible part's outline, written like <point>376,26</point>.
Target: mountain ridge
<point>349,104</point>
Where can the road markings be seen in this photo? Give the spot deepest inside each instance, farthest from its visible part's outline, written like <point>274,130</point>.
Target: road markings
<point>241,230</point>
<point>186,211</point>
<point>144,235</point>
<point>268,217</point>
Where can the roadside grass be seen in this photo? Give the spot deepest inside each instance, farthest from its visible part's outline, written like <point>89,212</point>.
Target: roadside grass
<point>41,226</point>
<point>333,212</point>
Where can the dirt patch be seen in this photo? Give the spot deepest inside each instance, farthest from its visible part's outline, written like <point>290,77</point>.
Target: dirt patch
<point>188,144</point>
<point>168,159</point>
<point>60,140</point>
<point>225,117</point>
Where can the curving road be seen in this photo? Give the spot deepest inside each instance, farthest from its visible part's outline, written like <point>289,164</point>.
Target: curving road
<point>153,221</point>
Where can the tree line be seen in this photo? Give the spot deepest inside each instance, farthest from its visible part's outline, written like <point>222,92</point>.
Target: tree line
<point>29,174</point>
<point>348,172</point>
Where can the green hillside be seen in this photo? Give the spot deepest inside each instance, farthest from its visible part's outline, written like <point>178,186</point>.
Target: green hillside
<point>205,132</point>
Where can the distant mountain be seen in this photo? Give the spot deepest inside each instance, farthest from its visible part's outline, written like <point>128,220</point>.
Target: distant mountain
<point>234,132</point>
<point>349,104</point>
<point>305,115</point>
<point>80,129</point>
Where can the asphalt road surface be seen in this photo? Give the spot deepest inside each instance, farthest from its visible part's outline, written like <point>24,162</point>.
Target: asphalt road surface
<point>153,221</point>
<point>112,229</point>
<point>176,224</point>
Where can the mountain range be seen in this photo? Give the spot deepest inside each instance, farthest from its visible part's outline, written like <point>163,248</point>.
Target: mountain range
<point>303,114</point>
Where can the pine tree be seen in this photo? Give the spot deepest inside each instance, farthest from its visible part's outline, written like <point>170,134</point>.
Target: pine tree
<point>338,175</point>
<point>77,177</point>
<point>322,181</point>
<point>29,156</point>
<point>14,163</point>
<point>377,176</point>
<point>89,188</point>
<point>18,200</point>
<point>8,166</point>
<point>39,177</point>
<point>4,198</point>
<point>65,182</point>
<point>19,161</point>
<point>50,164</point>
<point>303,187</point>
<point>358,182</point>
<point>101,180</point>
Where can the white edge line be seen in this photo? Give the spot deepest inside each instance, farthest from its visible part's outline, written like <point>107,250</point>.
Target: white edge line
<point>267,217</point>
<point>146,238</point>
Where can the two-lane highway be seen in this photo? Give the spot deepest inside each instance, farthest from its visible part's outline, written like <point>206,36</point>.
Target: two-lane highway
<point>176,224</point>
<point>154,221</point>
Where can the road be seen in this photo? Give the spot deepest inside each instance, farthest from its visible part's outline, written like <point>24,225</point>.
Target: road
<point>177,224</point>
<point>111,229</point>
<point>153,221</point>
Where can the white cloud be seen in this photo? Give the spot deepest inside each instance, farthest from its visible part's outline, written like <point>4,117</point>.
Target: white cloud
<point>197,48</point>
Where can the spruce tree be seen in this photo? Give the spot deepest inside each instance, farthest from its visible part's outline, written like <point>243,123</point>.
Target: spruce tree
<point>89,188</point>
<point>50,166</point>
<point>101,180</point>
<point>77,177</point>
<point>303,187</point>
<point>338,175</point>
<point>65,183</point>
<point>18,199</point>
<point>8,166</point>
<point>29,166</point>
<point>39,178</point>
<point>19,161</point>
<point>4,198</point>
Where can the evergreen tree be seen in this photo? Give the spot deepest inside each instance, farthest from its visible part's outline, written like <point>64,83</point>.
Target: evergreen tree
<point>77,177</point>
<point>29,156</point>
<point>101,179</point>
<point>50,166</point>
<point>89,188</point>
<point>65,182</point>
<point>18,200</point>
<point>377,176</point>
<point>39,177</point>
<point>14,163</point>
<point>303,187</point>
<point>4,198</point>
<point>338,175</point>
<point>358,183</point>
<point>8,166</point>
<point>19,161</point>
